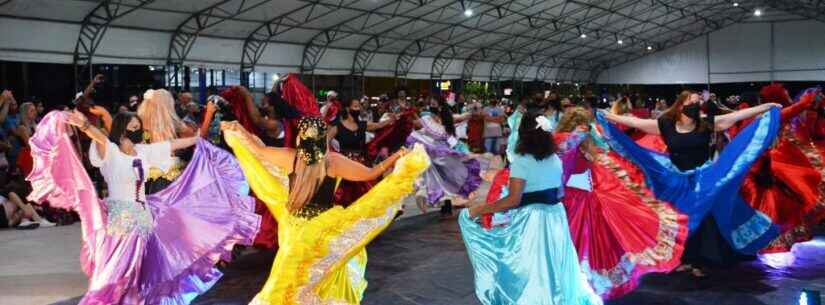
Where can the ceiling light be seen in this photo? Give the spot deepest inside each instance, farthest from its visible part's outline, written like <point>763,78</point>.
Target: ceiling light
<point>757,12</point>
<point>620,41</point>
<point>468,12</point>
<point>650,48</point>
<point>558,83</point>
<point>735,4</point>
<point>583,35</point>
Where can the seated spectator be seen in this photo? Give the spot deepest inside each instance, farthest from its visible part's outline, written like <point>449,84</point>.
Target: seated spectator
<point>17,214</point>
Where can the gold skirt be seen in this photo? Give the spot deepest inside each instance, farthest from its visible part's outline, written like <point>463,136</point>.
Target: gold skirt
<point>321,260</point>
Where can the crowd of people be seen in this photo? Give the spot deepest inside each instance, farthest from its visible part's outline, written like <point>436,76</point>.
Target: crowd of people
<point>586,196</point>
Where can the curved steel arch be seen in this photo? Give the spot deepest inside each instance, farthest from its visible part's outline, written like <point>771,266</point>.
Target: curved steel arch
<point>188,31</point>
<point>92,30</point>
<point>405,60</point>
<point>442,62</point>
<point>470,64</point>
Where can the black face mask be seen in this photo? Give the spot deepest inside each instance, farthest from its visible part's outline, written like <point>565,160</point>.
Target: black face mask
<point>355,114</point>
<point>692,111</point>
<point>136,136</point>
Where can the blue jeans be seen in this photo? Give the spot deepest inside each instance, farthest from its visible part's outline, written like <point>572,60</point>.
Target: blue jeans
<point>491,145</point>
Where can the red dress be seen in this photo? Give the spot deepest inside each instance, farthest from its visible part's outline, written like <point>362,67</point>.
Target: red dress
<point>620,230</point>
<point>786,183</point>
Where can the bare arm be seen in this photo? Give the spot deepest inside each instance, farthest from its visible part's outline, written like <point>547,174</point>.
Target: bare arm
<point>331,133</point>
<point>458,118</point>
<point>79,120</point>
<point>280,157</point>
<point>104,116</point>
<point>22,133</point>
<point>646,125</point>
<point>375,126</point>
<point>725,121</point>
<point>510,201</point>
<point>4,106</point>
<point>343,167</point>
<point>183,142</point>
<point>207,119</point>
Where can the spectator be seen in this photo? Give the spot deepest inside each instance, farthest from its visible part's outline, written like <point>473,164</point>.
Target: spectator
<point>16,213</point>
<point>183,100</point>
<point>494,115</point>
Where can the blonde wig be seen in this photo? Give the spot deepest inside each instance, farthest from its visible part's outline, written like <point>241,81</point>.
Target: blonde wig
<point>574,117</point>
<point>23,116</point>
<point>157,111</point>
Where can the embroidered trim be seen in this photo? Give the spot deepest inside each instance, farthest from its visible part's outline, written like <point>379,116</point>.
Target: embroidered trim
<point>751,230</point>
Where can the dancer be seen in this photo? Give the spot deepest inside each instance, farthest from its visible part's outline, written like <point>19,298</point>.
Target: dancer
<point>453,173</point>
<point>161,123</point>
<point>531,260</point>
<point>784,185</point>
<point>351,134</point>
<point>686,177</point>
<point>139,249</point>
<point>620,231</point>
<point>322,255</point>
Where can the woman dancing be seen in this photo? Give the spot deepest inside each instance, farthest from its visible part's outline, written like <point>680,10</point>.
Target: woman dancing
<point>322,255</point>
<point>160,124</point>
<point>620,231</point>
<point>686,177</point>
<point>531,260</point>
<point>351,134</point>
<point>453,173</point>
<point>135,247</point>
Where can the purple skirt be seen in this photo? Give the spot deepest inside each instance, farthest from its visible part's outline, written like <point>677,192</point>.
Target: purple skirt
<point>163,253</point>
<point>451,172</point>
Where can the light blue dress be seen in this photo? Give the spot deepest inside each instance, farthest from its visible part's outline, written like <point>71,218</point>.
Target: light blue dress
<point>531,260</point>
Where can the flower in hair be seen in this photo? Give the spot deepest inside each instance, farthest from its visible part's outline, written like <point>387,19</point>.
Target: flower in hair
<point>544,123</point>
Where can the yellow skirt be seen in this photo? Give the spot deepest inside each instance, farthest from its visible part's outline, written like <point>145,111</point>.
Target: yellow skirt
<point>321,260</point>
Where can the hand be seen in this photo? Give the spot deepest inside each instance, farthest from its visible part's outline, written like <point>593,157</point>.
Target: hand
<point>231,126</point>
<point>7,95</point>
<point>98,78</point>
<point>475,210</point>
<point>77,119</point>
<point>211,108</point>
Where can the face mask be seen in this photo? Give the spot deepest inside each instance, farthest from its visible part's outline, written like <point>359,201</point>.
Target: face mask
<point>692,111</point>
<point>136,136</point>
<point>355,114</point>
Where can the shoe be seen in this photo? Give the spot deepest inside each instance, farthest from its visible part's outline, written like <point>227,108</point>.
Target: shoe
<point>46,224</point>
<point>27,225</point>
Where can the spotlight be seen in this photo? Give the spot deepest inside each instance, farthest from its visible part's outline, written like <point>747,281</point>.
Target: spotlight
<point>736,4</point>
<point>583,35</point>
<point>757,12</point>
<point>468,12</point>
<point>620,41</point>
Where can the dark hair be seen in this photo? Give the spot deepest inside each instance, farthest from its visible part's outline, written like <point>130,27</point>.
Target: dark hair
<point>343,113</point>
<point>119,123</point>
<point>534,141</point>
<point>446,116</point>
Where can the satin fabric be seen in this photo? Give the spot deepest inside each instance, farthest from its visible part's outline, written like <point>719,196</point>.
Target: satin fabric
<point>314,264</point>
<point>785,185</point>
<point>620,231</point>
<point>706,189</point>
<point>267,237</point>
<point>530,261</point>
<point>392,137</point>
<point>453,172</point>
<point>196,222</point>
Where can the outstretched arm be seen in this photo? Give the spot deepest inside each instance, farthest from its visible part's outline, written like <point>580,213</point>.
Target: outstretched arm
<point>280,157</point>
<point>104,115</point>
<point>375,126</point>
<point>795,109</point>
<point>646,125</point>
<point>208,116</point>
<point>343,167</point>
<point>183,142</point>
<point>725,121</point>
<point>510,201</point>
<point>78,119</point>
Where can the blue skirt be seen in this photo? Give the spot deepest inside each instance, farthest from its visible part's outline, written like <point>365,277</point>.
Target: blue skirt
<point>712,187</point>
<point>530,261</point>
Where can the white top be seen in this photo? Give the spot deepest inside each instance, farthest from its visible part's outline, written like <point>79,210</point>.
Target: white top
<point>119,173</point>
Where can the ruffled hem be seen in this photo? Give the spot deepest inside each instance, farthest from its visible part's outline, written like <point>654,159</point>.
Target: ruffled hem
<point>201,274</point>
<point>473,181</point>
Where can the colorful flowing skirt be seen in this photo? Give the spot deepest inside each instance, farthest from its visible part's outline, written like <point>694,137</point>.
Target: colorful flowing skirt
<point>706,188</point>
<point>530,261</point>
<point>452,172</point>
<point>321,259</point>
<point>163,253</point>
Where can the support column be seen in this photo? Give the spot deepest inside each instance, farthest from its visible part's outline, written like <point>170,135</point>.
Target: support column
<point>202,85</point>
